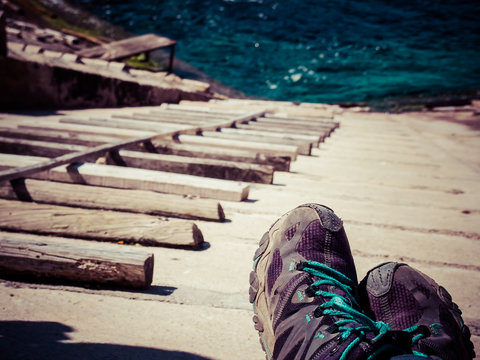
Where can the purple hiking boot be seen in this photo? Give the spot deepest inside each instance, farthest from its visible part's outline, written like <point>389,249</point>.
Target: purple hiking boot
<point>409,300</point>
<point>303,288</point>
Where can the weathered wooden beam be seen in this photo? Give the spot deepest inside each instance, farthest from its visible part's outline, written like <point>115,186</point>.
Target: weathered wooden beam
<point>100,225</point>
<point>44,164</point>
<point>209,125</point>
<point>36,148</point>
<point>325,132</point>
<point>74,261</point>
<point>96,197</point>
<point>277,107</point>
<point>312,139</point>
<point>159,120</point>
<point>283,150</point>
<point>304,147</point>
<point>128,47</point>
<point>230,106</point>
<point>117,123</point>
<point>219,169</point>
<point>305,110</point>
<point>133,178</point>
<point>199,107</point>
<point>180,114</point>
<point>57,136</point>
<point>167,112</point>
<point>279,163</point>
<point>231,122</point>
<point>254,125</point>
<point>85,129</point>
<point>293,124</point>
<point>123,133</point>
<point>304,119</point>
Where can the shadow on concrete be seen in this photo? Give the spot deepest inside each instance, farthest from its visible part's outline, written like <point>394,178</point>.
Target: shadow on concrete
<point>203,246</point>
<point>27,112</point>
<point>25,340</point>
<point>160,290</point>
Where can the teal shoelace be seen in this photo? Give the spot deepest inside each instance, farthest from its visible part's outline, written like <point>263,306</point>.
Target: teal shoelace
<point>341,306</point>
<point>418,332</point>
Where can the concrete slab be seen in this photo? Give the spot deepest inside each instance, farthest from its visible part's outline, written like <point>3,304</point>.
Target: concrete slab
<point>407,187</point>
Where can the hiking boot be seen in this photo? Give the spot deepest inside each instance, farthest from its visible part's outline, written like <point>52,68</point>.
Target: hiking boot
<point>409,300</point>
<point>303,289</point>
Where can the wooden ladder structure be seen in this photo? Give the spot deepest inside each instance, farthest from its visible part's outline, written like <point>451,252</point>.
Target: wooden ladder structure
<point>100,174</point>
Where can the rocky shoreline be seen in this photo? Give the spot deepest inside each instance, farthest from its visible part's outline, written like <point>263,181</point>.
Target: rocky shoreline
<point>64,16</point>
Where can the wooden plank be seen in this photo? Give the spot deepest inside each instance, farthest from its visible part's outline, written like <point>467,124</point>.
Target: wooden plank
<point>197,122</point>
<point>313,117</point>
<point>302,119</point>
<point>228,105</point>
<point>219,169</point>
<point>201,107</point>
<point>195,114</point>
<point>42,163</point>
<point>128,47</point>
<point>132,178</point>
<point>75,261</point>
<point>196,127</point>
<point>279,163</point>
<point>84,129</point>
<point>107,130</point>
<point>253,125</point>
<point>36,148</point>
<point>160,120</point>
<point>231,122</point>
<point>57,136</point>
<point>179,118</point>
<point>306,110</point>
<point>304,147</point>
<point>96,197</point>
<point>77,156</point>
<point>312,139</point>
<point>294,123</point>
<point>285,128</point>
<point>92,39</point>
<point>250,102</point>
<point>283,150</point>
<point>100,225</point>
<point>126,124</point>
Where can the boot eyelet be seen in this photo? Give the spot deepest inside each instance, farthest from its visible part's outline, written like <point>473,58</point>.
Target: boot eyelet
<point>310,292</point>
<point>334,350</point>
<point>300,266</point>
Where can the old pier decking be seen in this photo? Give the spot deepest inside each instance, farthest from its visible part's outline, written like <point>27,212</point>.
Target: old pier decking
<point>109,175</point>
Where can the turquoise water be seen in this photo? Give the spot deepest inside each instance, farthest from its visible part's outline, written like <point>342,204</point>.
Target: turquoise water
<point>319,51</point>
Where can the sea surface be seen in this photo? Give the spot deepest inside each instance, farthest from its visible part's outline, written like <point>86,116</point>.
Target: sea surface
<point>318,50</point>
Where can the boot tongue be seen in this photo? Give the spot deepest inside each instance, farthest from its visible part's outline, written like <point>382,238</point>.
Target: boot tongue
<point>341,293</point>
<point>330,289</point>
<point>320,244</point>
<point>334,292</point>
